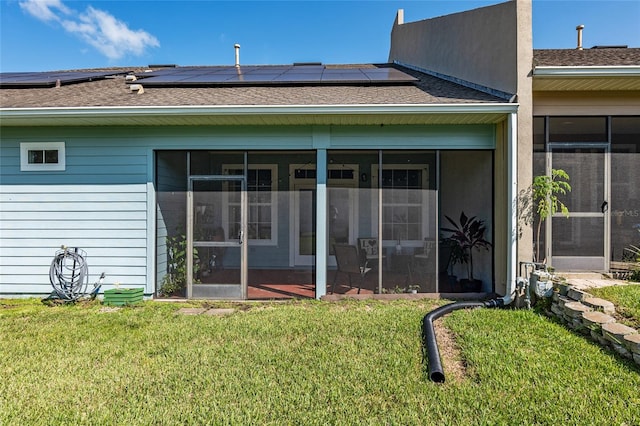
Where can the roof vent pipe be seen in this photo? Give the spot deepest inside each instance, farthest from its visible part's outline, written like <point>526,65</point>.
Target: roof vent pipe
<point>237,48</point>
<point>579,28</point>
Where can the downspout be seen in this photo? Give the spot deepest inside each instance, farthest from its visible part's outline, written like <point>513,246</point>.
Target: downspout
<point>436,373</point>
<point>512,196</point>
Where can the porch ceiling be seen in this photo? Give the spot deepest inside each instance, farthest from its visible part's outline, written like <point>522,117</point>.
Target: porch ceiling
<point>237,116</point>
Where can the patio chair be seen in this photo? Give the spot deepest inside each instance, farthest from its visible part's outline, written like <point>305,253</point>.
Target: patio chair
<point>350,262</point>
<point>423,257</point>
<point>426,253</point>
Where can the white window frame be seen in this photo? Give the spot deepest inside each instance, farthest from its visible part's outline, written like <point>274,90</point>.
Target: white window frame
<point>417,240</point>
<point>227,168</point>
<point>26,147</point>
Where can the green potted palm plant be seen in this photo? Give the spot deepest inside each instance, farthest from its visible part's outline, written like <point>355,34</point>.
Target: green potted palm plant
<point>468,236</point>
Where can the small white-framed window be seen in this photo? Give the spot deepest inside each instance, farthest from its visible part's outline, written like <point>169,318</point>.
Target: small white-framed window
<point>42,156</point>
<point>262,187</point>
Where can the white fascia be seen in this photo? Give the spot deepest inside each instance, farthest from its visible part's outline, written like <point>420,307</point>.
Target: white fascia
<point>587,71</point>
<point>141,111</point>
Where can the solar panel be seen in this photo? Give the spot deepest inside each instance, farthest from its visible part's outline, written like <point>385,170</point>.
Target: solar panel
<point>296,78</point>
<point>307,74</point>
<point>271,75</point>
<point>350,74</point>
<point>390,74</point>
<point>250,78</point>
<point>306,69</point>
<point>51,79</point>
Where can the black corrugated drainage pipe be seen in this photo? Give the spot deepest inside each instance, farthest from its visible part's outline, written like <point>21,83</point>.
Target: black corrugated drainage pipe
<point>436,374</point>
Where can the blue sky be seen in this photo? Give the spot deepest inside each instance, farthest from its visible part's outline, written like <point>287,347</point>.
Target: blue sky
<point>39,35</point>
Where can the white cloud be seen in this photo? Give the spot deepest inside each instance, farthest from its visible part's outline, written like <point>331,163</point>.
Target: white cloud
<point>110,36</point>
<point>45,10</point>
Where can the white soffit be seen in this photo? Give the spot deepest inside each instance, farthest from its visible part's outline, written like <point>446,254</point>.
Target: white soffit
<point>259,115</point>
<point>586,78</point>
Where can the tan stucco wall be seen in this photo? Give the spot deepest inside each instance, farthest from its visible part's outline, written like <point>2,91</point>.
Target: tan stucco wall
<point>524,48</point>
<point>586,103</point>
<point>478,46</point>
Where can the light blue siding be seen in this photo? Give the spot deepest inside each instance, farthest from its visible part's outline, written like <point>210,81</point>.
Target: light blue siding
<point>99,203</point>
<point>108,222</point>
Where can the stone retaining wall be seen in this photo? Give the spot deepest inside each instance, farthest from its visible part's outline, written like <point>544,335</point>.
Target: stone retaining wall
<point>592,317</point>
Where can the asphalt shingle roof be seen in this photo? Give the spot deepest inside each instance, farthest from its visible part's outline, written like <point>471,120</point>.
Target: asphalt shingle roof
<point>115,92</point>
<point>428,90</point>
<point>586,57</point>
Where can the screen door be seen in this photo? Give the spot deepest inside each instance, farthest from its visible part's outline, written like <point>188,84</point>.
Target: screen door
<point>217,227</point>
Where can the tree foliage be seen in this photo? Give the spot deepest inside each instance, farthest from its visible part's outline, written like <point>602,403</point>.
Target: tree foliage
<point>544,192</point>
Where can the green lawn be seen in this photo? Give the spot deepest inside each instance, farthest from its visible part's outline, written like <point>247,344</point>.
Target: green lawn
<point>300,363</point>
<point>626,298</point>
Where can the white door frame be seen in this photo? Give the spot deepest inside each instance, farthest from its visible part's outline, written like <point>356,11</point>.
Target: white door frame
<point>302,183</point>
